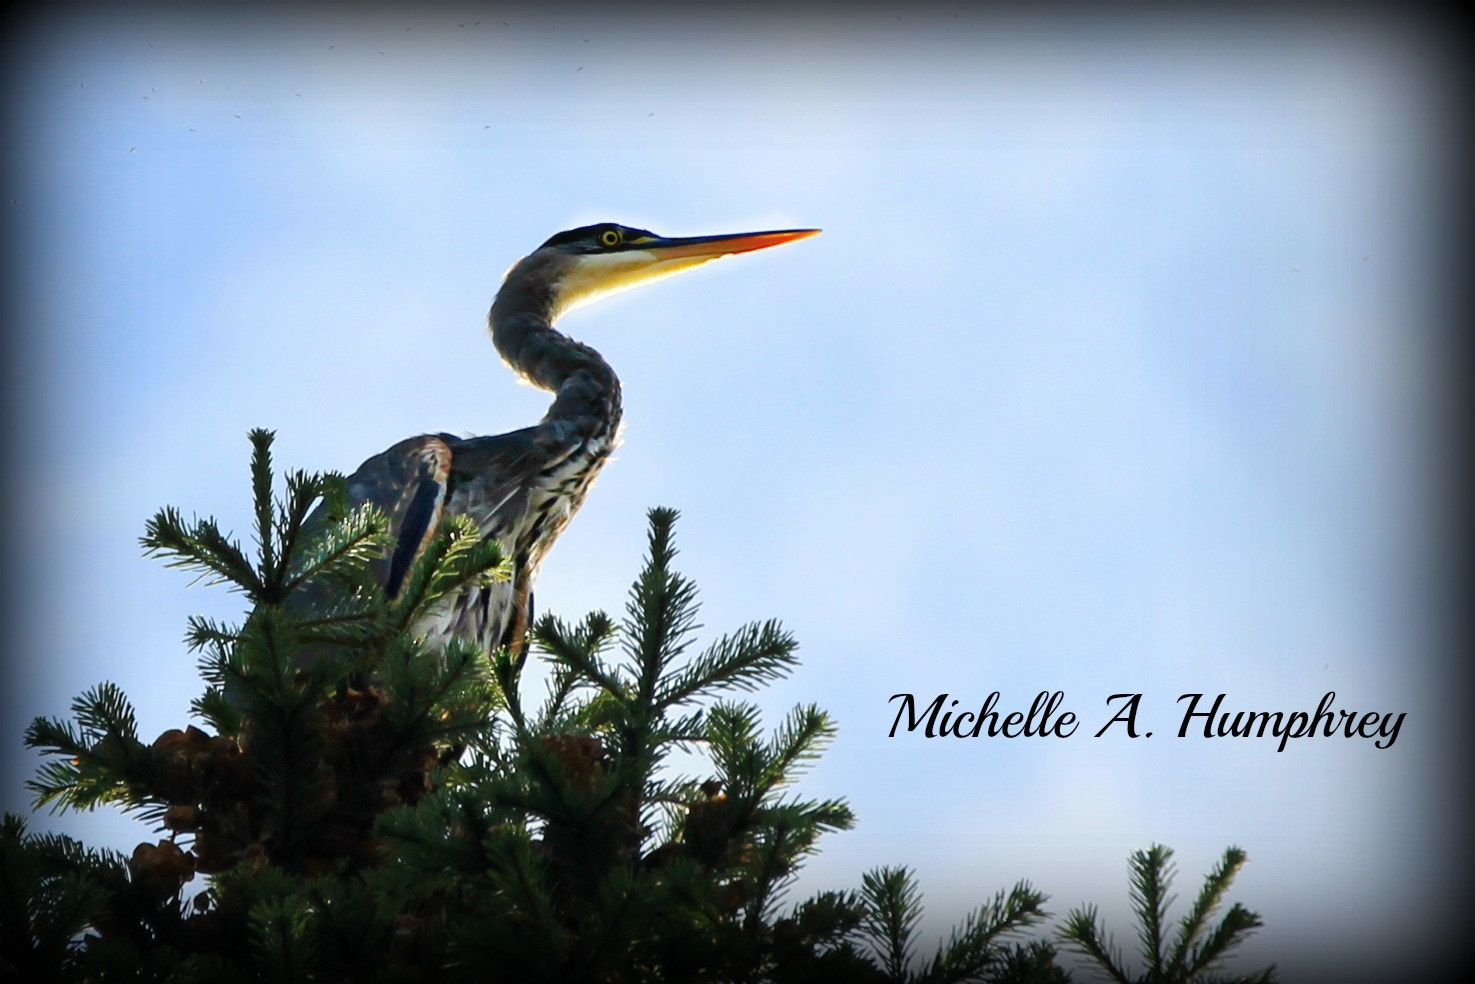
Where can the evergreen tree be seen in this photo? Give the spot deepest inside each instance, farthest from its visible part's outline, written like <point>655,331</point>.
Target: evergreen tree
<point>365,809</point>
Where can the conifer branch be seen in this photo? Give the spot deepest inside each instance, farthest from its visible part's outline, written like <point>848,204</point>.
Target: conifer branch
<point>458,558</point>
<point>893,910</point>
<point>755,655</point>
<point>261,479</point>
<point>732,736</point>
<point>973,947</point>
<point>1152,874</point>
<point>1232,930</point>
<point>200,547</point>
<point>578,648</point>
<point>662,610</point>
<point>304,492</point>
<point>800,740</point>
<point>341,551</point>
<point>280,936</point>
<point>1083,931</point>
<point>214,709</point>
<point>1216,885</point>
<point>50,894</point>
<point>98,761</point>
<point>203,633</point>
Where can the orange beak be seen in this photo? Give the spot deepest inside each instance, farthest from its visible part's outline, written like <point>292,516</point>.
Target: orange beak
<point>640,261</point>
<point>711,247</point>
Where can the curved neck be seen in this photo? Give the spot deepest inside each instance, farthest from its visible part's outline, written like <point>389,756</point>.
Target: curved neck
<point>521,323</point>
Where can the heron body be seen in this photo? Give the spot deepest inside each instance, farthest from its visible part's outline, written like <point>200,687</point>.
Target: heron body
<point>522,488</point>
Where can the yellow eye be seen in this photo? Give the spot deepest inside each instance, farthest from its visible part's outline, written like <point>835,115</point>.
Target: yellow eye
<point>609,237</point>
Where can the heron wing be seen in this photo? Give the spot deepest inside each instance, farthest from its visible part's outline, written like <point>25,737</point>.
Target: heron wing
<point>408,482</point>
<point>516,487</point>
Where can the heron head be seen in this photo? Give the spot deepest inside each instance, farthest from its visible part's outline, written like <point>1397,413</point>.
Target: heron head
<point>585,264</point>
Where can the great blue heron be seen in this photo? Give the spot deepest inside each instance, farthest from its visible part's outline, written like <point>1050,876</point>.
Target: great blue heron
<point>523,487</point>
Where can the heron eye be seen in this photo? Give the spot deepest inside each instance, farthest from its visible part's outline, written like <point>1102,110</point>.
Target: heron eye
<point>609,237</point>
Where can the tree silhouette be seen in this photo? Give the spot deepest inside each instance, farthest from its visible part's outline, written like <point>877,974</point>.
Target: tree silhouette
<point>363,808</point>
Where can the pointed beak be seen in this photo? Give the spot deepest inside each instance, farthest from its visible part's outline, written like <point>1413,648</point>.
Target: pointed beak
<point>590,276</point>
<point>712,247</point>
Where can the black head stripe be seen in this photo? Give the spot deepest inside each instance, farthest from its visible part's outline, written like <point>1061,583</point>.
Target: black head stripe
<point>588,237</point>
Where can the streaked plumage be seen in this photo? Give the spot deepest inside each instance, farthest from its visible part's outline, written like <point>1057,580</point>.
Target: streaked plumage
<point>523,487</point>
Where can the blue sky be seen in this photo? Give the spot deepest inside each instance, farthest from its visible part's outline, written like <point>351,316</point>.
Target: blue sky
<point>1113,371</point>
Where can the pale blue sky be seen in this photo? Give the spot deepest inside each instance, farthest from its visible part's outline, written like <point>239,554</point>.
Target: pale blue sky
<point>1111,372</point>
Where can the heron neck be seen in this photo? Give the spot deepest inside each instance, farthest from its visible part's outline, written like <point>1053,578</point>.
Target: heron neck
<point>587,389</point>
